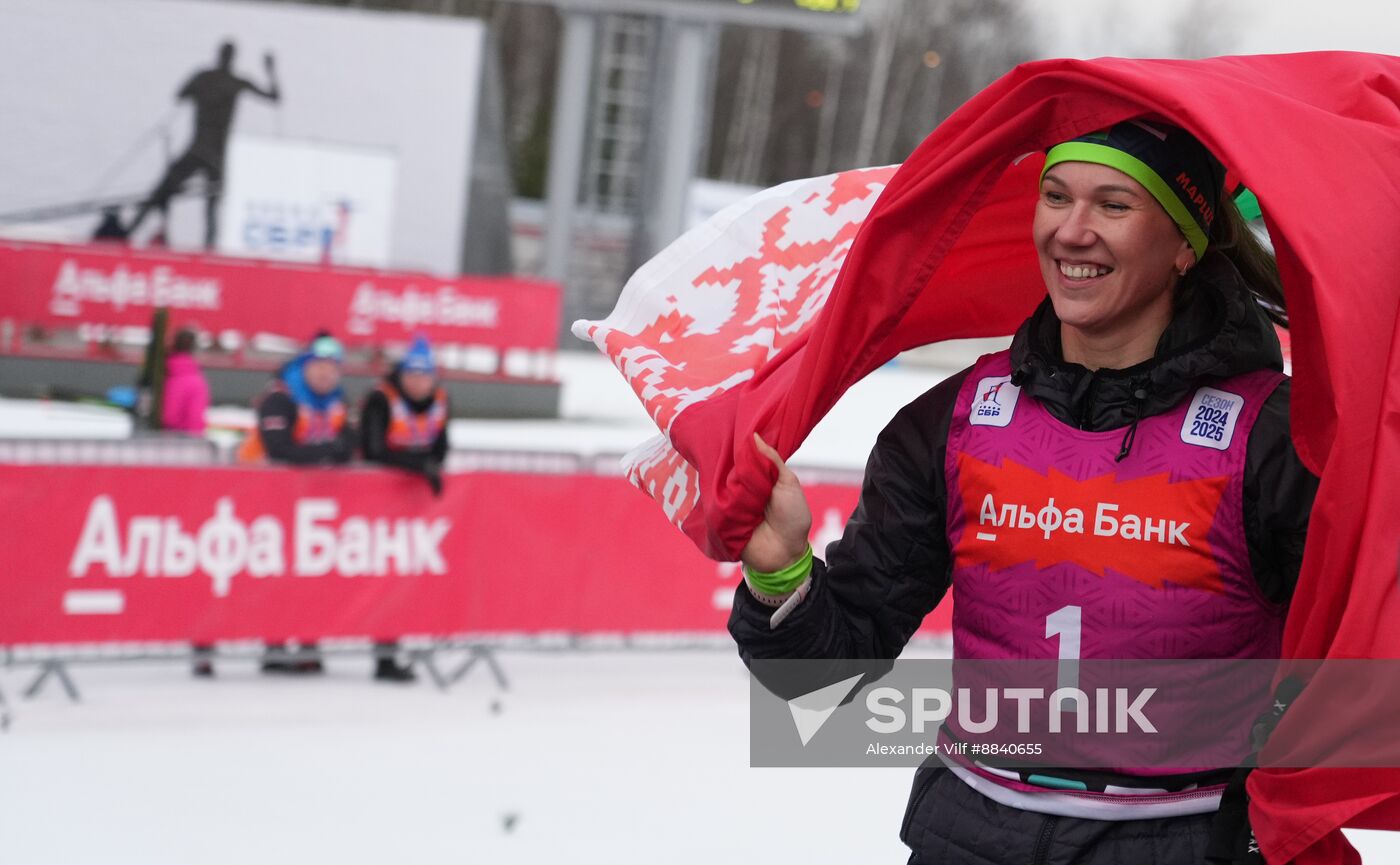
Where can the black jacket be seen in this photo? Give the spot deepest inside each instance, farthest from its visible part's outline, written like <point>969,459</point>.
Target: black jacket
<point>277,419</point>
<point>374,432</point>
<point>893,564</point>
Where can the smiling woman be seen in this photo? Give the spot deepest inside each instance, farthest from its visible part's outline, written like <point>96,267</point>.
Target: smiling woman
<point>1110,257</point>
<point>1152,362</point>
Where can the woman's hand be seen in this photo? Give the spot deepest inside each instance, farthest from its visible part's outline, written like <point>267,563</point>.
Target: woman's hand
<point>781,539</point>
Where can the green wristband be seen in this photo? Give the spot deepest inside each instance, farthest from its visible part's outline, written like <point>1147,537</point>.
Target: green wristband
<point>778,583</point>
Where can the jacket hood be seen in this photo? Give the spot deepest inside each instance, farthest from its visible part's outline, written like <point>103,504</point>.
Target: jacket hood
<point>295,380</point>
<point>1219,332</point>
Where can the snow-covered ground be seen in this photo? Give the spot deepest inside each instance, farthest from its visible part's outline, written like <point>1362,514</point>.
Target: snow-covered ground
<point>26,418</point>
<point>605,757</point>
<point>600,415</point>
<point>592,758</point>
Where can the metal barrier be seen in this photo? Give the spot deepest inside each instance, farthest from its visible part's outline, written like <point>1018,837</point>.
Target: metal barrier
<point>175,449</point>
<point>445,662</point>
<point>154,450</point>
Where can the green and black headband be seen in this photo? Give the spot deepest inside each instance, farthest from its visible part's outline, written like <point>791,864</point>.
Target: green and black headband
<point>1168,161</point>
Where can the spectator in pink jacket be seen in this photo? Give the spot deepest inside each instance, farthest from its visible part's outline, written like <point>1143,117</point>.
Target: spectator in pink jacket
<point>186,392</point>
<point>182,409</point>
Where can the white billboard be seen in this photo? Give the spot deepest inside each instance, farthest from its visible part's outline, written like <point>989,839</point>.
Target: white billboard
<point>305,201</point>
<point>102,99</point>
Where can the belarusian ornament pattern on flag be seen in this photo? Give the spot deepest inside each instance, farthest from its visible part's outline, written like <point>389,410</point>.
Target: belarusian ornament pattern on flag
<point>729,295</point>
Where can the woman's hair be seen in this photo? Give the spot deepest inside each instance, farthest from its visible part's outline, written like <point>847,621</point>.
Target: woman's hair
<point>1232,237</point>
<point>184,341</point>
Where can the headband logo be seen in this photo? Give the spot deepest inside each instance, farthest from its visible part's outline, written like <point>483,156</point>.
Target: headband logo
<point>1193,194</point>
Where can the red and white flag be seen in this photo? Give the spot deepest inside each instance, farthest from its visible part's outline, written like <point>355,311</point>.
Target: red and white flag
<point>716,306</point>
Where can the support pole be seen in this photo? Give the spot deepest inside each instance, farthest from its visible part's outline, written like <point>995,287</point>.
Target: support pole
<point>59,671</point>
<point>685,114</point>
<point>886,33</point>
<point>566,141</point>
<point>444,681</point>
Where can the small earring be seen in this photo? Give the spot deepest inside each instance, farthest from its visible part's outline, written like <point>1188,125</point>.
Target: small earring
<point>1183,270</point>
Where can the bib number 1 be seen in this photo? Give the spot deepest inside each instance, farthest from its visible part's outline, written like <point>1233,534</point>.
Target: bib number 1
<point>1067,624</point>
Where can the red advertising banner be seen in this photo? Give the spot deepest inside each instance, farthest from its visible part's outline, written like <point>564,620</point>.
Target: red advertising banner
<point>121,554</point>
<point>61,286</point>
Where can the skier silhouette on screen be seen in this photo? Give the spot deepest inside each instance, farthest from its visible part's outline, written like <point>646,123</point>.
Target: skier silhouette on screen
<point>214,93</point>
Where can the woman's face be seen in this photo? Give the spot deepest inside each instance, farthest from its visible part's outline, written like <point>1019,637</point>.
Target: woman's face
<point>417,386</point>
<point>322,375</point>
<point>1109,253</point>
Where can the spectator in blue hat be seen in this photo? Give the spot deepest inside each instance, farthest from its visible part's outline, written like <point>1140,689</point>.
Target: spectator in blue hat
<point>403,424</point>
<point>404,420</point>
<point>302,416</point>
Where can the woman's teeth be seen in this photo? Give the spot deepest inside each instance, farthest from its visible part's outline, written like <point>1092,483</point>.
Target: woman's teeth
<point>1083,271</point>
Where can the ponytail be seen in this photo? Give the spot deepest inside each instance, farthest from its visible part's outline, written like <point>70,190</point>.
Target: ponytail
<point>1232,237</point>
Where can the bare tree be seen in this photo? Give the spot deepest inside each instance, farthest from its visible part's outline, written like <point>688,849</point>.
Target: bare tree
<point>836,60</point>
<point>750,118</point>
